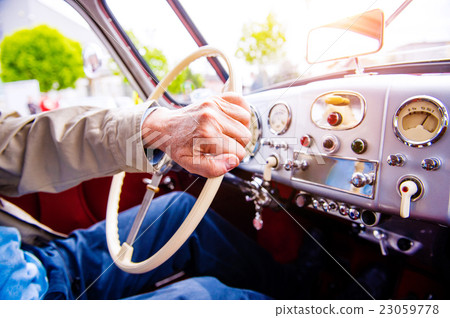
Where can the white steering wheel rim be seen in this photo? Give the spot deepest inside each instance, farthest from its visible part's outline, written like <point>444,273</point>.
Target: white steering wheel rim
<point>122,254</point>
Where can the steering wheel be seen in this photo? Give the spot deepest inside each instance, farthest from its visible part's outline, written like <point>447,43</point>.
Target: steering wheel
<point>122,254</point>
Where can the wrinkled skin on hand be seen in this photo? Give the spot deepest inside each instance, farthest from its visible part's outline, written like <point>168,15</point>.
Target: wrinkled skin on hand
<point>206,138</point>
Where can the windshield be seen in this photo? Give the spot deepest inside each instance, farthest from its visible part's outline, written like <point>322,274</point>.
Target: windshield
<point>268,38</point>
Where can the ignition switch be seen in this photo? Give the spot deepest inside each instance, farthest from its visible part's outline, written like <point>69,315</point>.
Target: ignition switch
<point>410,189</point>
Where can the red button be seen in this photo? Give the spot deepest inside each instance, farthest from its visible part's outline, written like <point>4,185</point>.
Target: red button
<point>334,118</point>
<point>305,141</point>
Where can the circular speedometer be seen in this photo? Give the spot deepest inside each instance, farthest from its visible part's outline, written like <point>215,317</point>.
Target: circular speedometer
<point>420,121</point>
<point>279,118</point>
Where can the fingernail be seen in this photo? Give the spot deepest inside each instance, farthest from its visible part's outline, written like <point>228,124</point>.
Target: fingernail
<point>231,162</point>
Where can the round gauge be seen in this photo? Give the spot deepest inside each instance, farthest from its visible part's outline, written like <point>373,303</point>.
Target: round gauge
<point>420,121</point>
<point>279,118</point>
<point>255,129</point>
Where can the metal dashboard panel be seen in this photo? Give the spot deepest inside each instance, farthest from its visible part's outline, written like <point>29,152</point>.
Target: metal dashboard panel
<point>336,173</point>
<point>383,95</point>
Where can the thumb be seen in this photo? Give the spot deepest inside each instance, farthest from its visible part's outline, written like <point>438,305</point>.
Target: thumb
<point>215,166</point>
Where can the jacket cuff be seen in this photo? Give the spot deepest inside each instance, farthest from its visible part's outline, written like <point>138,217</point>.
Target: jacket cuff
<point>128,147</point>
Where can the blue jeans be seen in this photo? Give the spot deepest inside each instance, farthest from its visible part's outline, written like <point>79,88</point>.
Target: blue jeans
<point>224,263</point>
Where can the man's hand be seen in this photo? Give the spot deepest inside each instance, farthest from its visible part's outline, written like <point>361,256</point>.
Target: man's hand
<point>206,138</point>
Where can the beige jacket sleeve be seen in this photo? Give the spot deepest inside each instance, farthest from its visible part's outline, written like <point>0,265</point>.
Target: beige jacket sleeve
<point>56,150</point>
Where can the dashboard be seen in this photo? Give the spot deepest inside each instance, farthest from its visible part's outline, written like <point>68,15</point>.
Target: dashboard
<point>362,148</point>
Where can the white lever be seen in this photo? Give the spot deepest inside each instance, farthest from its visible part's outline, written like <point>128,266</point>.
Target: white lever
<point>271,162</point>
<point>407,189</point>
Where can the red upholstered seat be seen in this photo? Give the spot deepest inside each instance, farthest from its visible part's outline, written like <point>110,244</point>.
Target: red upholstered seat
<point>82,205</point>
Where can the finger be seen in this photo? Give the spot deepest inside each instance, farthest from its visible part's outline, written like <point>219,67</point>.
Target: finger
<point>217,146</point>
<point>236,131</point>
<point>235,111</point>
<point>214,166</point>
<point>236,99</point>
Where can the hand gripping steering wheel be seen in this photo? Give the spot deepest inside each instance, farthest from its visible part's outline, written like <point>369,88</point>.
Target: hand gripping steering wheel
<point>122,254</point>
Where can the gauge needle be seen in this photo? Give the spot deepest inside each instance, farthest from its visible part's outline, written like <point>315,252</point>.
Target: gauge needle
<point>425,119</point>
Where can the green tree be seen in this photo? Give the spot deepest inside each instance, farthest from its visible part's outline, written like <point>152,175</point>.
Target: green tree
<point>44,54</point>
<point>261,43</point>
<point>186,78</point>
<point>154,57</point>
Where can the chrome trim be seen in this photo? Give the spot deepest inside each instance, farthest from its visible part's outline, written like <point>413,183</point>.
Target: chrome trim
<point>258,139</point>
<point>376,215</point>
<point>336,143</point>
<point>279,164</point>
<point>163,165</point>
<point>326,186</point>
<point>443,124</point>
<point>288,124</point>
<point>419,186</point>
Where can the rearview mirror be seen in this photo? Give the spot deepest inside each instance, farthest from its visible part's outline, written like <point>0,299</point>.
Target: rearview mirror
<point>353,36</point>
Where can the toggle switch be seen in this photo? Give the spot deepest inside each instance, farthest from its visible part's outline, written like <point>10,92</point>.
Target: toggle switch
<point>382,240</point>
<point>408,189</point>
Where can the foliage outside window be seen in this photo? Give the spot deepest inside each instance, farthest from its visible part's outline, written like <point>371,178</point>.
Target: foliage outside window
<point>44,54</point>
<point>185,82</point>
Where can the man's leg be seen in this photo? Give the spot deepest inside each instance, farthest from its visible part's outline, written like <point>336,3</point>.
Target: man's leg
<point>214,249</point>
<point>201,288</point>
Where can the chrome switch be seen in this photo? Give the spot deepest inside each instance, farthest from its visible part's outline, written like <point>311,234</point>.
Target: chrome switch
<point>431,164</point>
<point>397,160</point>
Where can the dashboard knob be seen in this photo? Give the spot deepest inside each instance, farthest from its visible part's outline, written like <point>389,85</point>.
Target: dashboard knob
<point>354,213</point>
<point>397,160</point>
<point>295,164</point>
<point>281,145</point>
<point>343,209</point>
<point>332,206</point>
<point>431,164</point>
<point>302,200</point>
<point>330,143</point>
<point>303,165</point>
<point>360,180</point>
<point>267,142</point>
<point>306,140</point>
<point>315,203</point>
<point>359,146</point>
<point>288,165</point>
<point>334,119</point>
<point>323,204</point>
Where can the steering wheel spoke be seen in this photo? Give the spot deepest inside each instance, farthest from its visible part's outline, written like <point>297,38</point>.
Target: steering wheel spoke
<point>152,189</point>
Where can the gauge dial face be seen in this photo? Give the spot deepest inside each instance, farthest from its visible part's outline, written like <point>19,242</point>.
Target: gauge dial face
<point>279,118</point>
<point>255,129</point>
<point>420,121</point>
